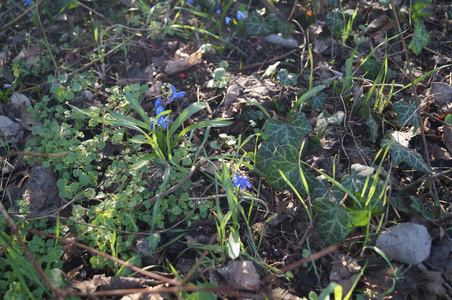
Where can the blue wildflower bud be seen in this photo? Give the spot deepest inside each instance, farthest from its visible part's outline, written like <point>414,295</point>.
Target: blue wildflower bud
<point>218,9</point>
<point>7,86</point>
<point>158,102</point>
<point>241,181</point>
<point>240,15</point>
<point>190,1</point>
<point>227,20</point>
<point>159,110</point>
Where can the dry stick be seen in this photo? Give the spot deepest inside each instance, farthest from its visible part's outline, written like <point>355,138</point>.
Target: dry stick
<point>34,154</point>
<point>173,188</point>
<point>421,124</point>
<point>302,261</point>
<point>107,256</point>
<point>56,293</point>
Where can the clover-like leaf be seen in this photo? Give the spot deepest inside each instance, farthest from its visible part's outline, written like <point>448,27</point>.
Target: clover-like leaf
<point>255,25</point>
<point>421,37</point>
<point>287,78</point>
<point>406,113</point>
<point>290,133</point>
<point>333,221</point>
<point>318,101</point>
<point>400,154</point>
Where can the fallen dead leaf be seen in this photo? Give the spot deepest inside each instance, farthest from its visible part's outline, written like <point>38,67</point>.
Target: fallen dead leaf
<point>241,274</point>
<point>344,271</point>
<point>182,64</point>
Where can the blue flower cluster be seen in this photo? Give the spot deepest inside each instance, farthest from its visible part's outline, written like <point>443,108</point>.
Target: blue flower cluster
<point>159,109</point>
<point>241,181</point>
<point>240,15</point>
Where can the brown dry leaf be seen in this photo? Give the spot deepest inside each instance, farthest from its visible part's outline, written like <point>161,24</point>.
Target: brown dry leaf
<point>30,56</point>
<point>435,284</point>
<point>105,283</point>
<point>442,96</point>
<point>344,271</point>
<point>447,137</point>
<point>315,30</point>
<point>182,64</point>
<point>241,274</point>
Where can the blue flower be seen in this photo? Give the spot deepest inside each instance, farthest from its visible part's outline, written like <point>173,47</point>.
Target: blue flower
<point>27,2</point>
<point>241,181</point>
<point>240,15</point>
<point>7,86</point>
<point>227,20</point>
<point>159,110</point>
<point>190,1</point>
<point>158,102</point>
<point>176,94</point>
<point>218,9</point>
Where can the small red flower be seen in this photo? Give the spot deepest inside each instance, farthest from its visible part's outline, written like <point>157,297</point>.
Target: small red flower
<point>182,76</point>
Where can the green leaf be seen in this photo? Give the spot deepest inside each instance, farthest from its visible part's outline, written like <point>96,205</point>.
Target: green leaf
<point>255,25</point>
<point>323,190</point>
<point>358,216</point>
<point>420,38</point>
<point>287,78</point>
<point>234,244</point>
<point>417,204</point>
<point>153,241</point>
<point>271,70</point>
<point>290,133</point>
<point>265,154</point>
<point>136,105</point>
<point>324,119</point>
<point>372,68</point>
<point>285,159</point>
<point>400,154</point>
<point>406,113</point>
<point>285,29</point>
<point>318,102</point>
<point>333,221</point>
<point>373,127</point>
<point>419,10</point>
<point>360,180</point>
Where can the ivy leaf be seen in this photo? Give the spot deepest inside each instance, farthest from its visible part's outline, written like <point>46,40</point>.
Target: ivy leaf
<point>285,29</point>
<point>420,10</point>
<point>400,154</point>
<point>255,25</point>
<point>323,190</point>
<point>356,183</point>
<point>333,221</point>
<point>373,127</point>
<point>285,159</point>
<point>270,70</point>
<point>290,133</point>
<point>372,68</point>
<point>406,113</point>
<point>287,78</point>
<point>318,102</point>
<point>324,119</point>
<point>420,37</point>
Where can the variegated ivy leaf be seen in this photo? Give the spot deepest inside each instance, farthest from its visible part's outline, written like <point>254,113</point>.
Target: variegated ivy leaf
<point>255,25</point>
<point>285,29</point>
<point>318,101</point>
<point>285,159</point>
<point>406,113</point>
<point>333,221</point>
<point>373,127</point>
<point>265,155</point>
<point>287,78</point>
<point>324,190</point>
<point>420,37</point>
<point>290,133</point>
<point>356,183</point>
<point>400,154</point>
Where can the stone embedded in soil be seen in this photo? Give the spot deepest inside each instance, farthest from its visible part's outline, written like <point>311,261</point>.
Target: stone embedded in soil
<point>407,243</point>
